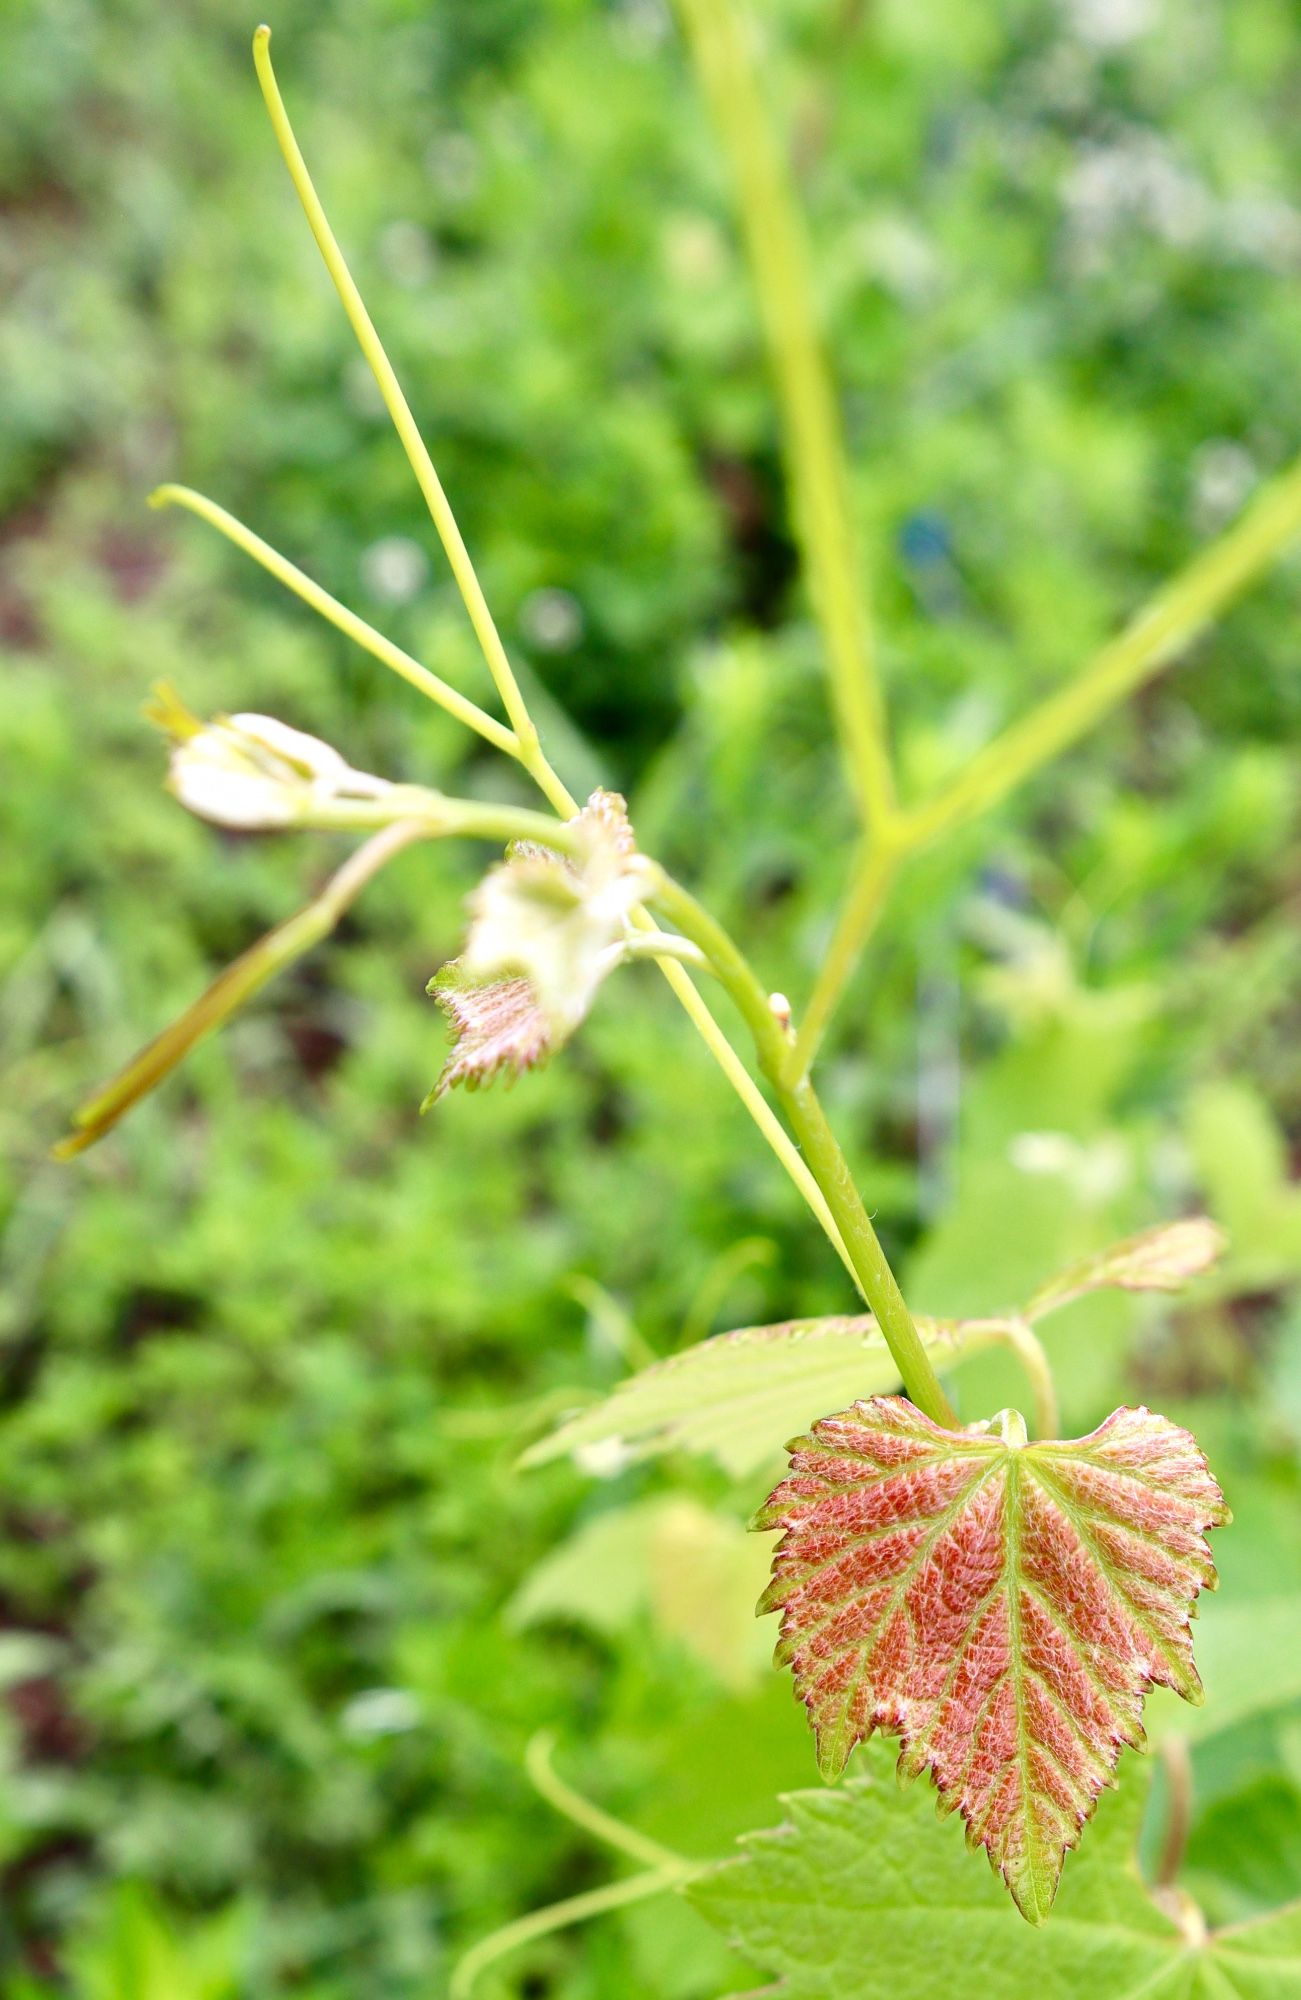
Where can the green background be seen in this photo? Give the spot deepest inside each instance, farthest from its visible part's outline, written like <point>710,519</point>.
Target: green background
<point>268,1354</point>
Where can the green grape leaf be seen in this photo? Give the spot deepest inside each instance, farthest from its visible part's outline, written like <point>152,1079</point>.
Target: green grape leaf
<point>1002,1607</point>
<point>1158,1260</point>
<point>738,1397</point>
<point>860,1897</point>
<point>692,1571</point>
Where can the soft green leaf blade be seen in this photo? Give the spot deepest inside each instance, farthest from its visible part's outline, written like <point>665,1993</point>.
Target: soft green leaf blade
<point>859,1896</point>
<point>738,1397</point>
<point>694,1572</point>
<point>1163,1259</point>
<point>597,1578</point>
<point>1244,1854</point>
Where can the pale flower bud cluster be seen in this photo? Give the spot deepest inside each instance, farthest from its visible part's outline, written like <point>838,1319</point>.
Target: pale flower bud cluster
<point>254,773</point>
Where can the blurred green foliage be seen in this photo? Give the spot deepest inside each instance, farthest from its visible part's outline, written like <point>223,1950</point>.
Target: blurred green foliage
<point>267,1357</point>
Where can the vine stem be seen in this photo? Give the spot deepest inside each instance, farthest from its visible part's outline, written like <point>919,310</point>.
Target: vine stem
<point>1020,1337</point>
<point>1171,620</point>
<point>550,830</point>
<point>814,452</point>
<point>808,1122</point>
<point>663,1870</point>
<point>528,749</point>
<point>546,1780</point>
<point>869,889</point>
<point>235,985</point>
<point>620,1332</point>
<point>812,441</point>
<point>1166,625</point>
<point>1177,1759</point>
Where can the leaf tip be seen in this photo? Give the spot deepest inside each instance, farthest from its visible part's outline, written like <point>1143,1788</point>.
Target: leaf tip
<point>833,1755</point>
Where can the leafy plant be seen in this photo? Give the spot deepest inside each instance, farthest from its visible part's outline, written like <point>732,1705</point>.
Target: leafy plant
<point>801,1904</point>
<point>575,900</point>
<point>1003,1607</point>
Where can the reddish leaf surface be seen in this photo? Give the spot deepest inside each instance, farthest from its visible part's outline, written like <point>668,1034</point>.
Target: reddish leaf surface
<point>494,1027</point>
<point>1001,1606</point>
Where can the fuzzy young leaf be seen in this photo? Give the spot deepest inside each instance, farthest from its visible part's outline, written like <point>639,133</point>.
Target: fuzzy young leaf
<point>740,1396</point>
<point>858,1897</point>
<point>1159,1260</point>
<point>495,1027</point>
<point>1002,1607</point>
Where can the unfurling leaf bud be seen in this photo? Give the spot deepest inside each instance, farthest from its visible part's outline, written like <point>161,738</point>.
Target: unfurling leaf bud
<point>545,930</point>
<point>254,773</point>
<point>557,921</point>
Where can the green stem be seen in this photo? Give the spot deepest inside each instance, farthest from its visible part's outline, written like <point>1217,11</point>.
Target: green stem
<point>612,1321</point>
<point>811,434</point>
<point>1178,1764</point>
<point>663,945</point>
<point>439,817</point>
<point>555,1917</point>
<point>1162,629</point>
<point>235,985</point>
<point>755,1103</point>
<point>1166,625</point>
<point>821,1151</point>
<point>525,737</point>
<point>880,1287</point>
<point>748,1254</point>
<point>395,402</point>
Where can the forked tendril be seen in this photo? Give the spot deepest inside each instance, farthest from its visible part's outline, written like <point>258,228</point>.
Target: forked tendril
<point>527,749</point>
<point>662,1870</point>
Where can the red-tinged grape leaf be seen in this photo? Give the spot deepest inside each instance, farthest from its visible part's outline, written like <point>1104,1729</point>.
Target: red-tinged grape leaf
<point>859,1896</point>
<point>738,1397</point>
<point>494,1027</point>
<point>1002,1607</point>
<point>1158,1260</point>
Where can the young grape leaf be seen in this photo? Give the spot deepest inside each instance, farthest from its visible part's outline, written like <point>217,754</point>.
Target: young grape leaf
<point>739,1396</point>
<point>1002,1607</point>
<point>859,1897</point>
<point>494,1027</point>
<point>1158,1260</point>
